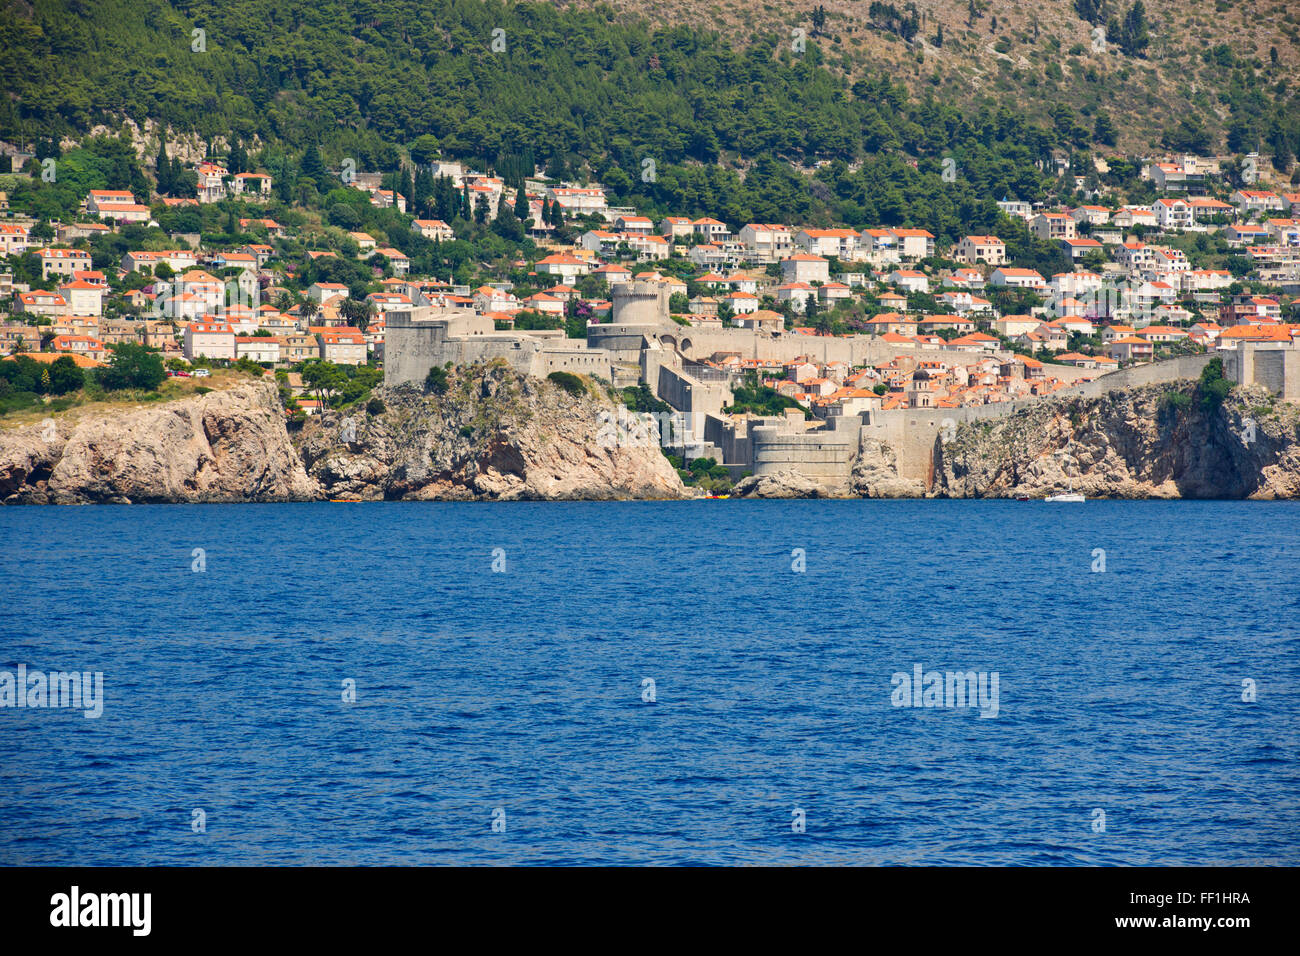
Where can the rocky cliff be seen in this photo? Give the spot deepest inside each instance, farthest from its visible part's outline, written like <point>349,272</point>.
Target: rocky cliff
<point>493,434</point>
<point>875,474</point>
<point>1157,441</point>
<point>227,445</point>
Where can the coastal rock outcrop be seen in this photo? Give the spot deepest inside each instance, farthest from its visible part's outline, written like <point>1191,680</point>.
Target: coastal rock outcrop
<point>780,484</point>
<point>1155,441</point>
<point>228,445</point>
<point>493,434</point>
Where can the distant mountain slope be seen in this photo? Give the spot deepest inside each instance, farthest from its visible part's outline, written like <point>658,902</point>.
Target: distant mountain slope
<point>1200,53</point>
<point>737,123</point>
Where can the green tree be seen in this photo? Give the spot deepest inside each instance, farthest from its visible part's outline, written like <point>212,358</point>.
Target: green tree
<point>424,150</point>
<point>65,376</point>
<point>132,366</point>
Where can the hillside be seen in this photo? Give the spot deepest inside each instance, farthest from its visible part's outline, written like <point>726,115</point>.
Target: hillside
<point>1201,55</point>
<point>575,84</point>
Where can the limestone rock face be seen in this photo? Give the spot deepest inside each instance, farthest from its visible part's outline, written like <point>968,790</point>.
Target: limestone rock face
<point>1134,443</point>
<point>228,445</point>
<point>493,435</point>
<point>875,474</point>
<point>781,484</point>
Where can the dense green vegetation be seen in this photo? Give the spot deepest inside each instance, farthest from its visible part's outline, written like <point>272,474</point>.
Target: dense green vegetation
<point>27,384</point>
<point>575,91</point>
<point>1213,387</point>
<point>132,366</point>
<point>759,399</point>
<point>339,386</point>
<point>23,381</point>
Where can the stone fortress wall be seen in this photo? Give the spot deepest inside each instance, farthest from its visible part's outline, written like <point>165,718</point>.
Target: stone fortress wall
<point>643,343</point>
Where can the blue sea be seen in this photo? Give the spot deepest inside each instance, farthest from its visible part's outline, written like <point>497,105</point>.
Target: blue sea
<point>506,715</point>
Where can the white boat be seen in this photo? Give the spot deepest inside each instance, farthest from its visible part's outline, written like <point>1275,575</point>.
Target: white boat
<point>1069,496</point>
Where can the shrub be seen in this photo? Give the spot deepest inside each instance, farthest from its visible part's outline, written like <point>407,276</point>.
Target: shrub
<point>376,406</point>
<point>569,382</point>
<point>436,380</point>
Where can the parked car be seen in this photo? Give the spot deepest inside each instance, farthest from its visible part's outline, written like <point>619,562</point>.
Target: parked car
<point>201,373</point>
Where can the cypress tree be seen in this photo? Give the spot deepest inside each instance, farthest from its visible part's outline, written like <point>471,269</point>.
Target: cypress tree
<point>163,169</point>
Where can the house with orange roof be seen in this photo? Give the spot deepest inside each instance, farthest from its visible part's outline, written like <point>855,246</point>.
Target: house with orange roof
<point>796,293</point>
<point>675,227</point>
<point>767,242</point>
<point>914,243</point>
<point>613,273</point>
<point>830,293</point>
<point>209,338</point>
<point>1257,202</point>
<point>69,232</point>
<point>805,267</point>
<point>1130,348</point>
<point>565,293</point>
<point>909,280</point>
<point>116,204</point>
<point>1160,334</point>
<point>398,259</point>
<point>638,224</point>
<point>900,341</point>
<point>1093,215</point>
<point>342,345</point>
<point>975,342</point>
<point>577,200</point>
<point>562,264</point>
<point>933,323</point>
<point>85,345</point>
<point>895,322</point>
<point>1080,246</point>
<point>272,227</point>
<point>741,303</point>
<point>547,304</point>
<point>1205,209</point>
<point>387,198</point>
<point>251,185</point>
<point>83,298</point>
<point>434,229</point>
<point>1229,338</point>
<point>40,302</point>
<point>988,249</point>
<point>258,348</point>
<point>1017,278</point>
<point>13,239</point>
<point>764,319</point>
<point>489,299</point>
<point>842,243</point>
<point>63,262</point>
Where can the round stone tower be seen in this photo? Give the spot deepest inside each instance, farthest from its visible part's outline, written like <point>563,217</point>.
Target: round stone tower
<point>640,303</point>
